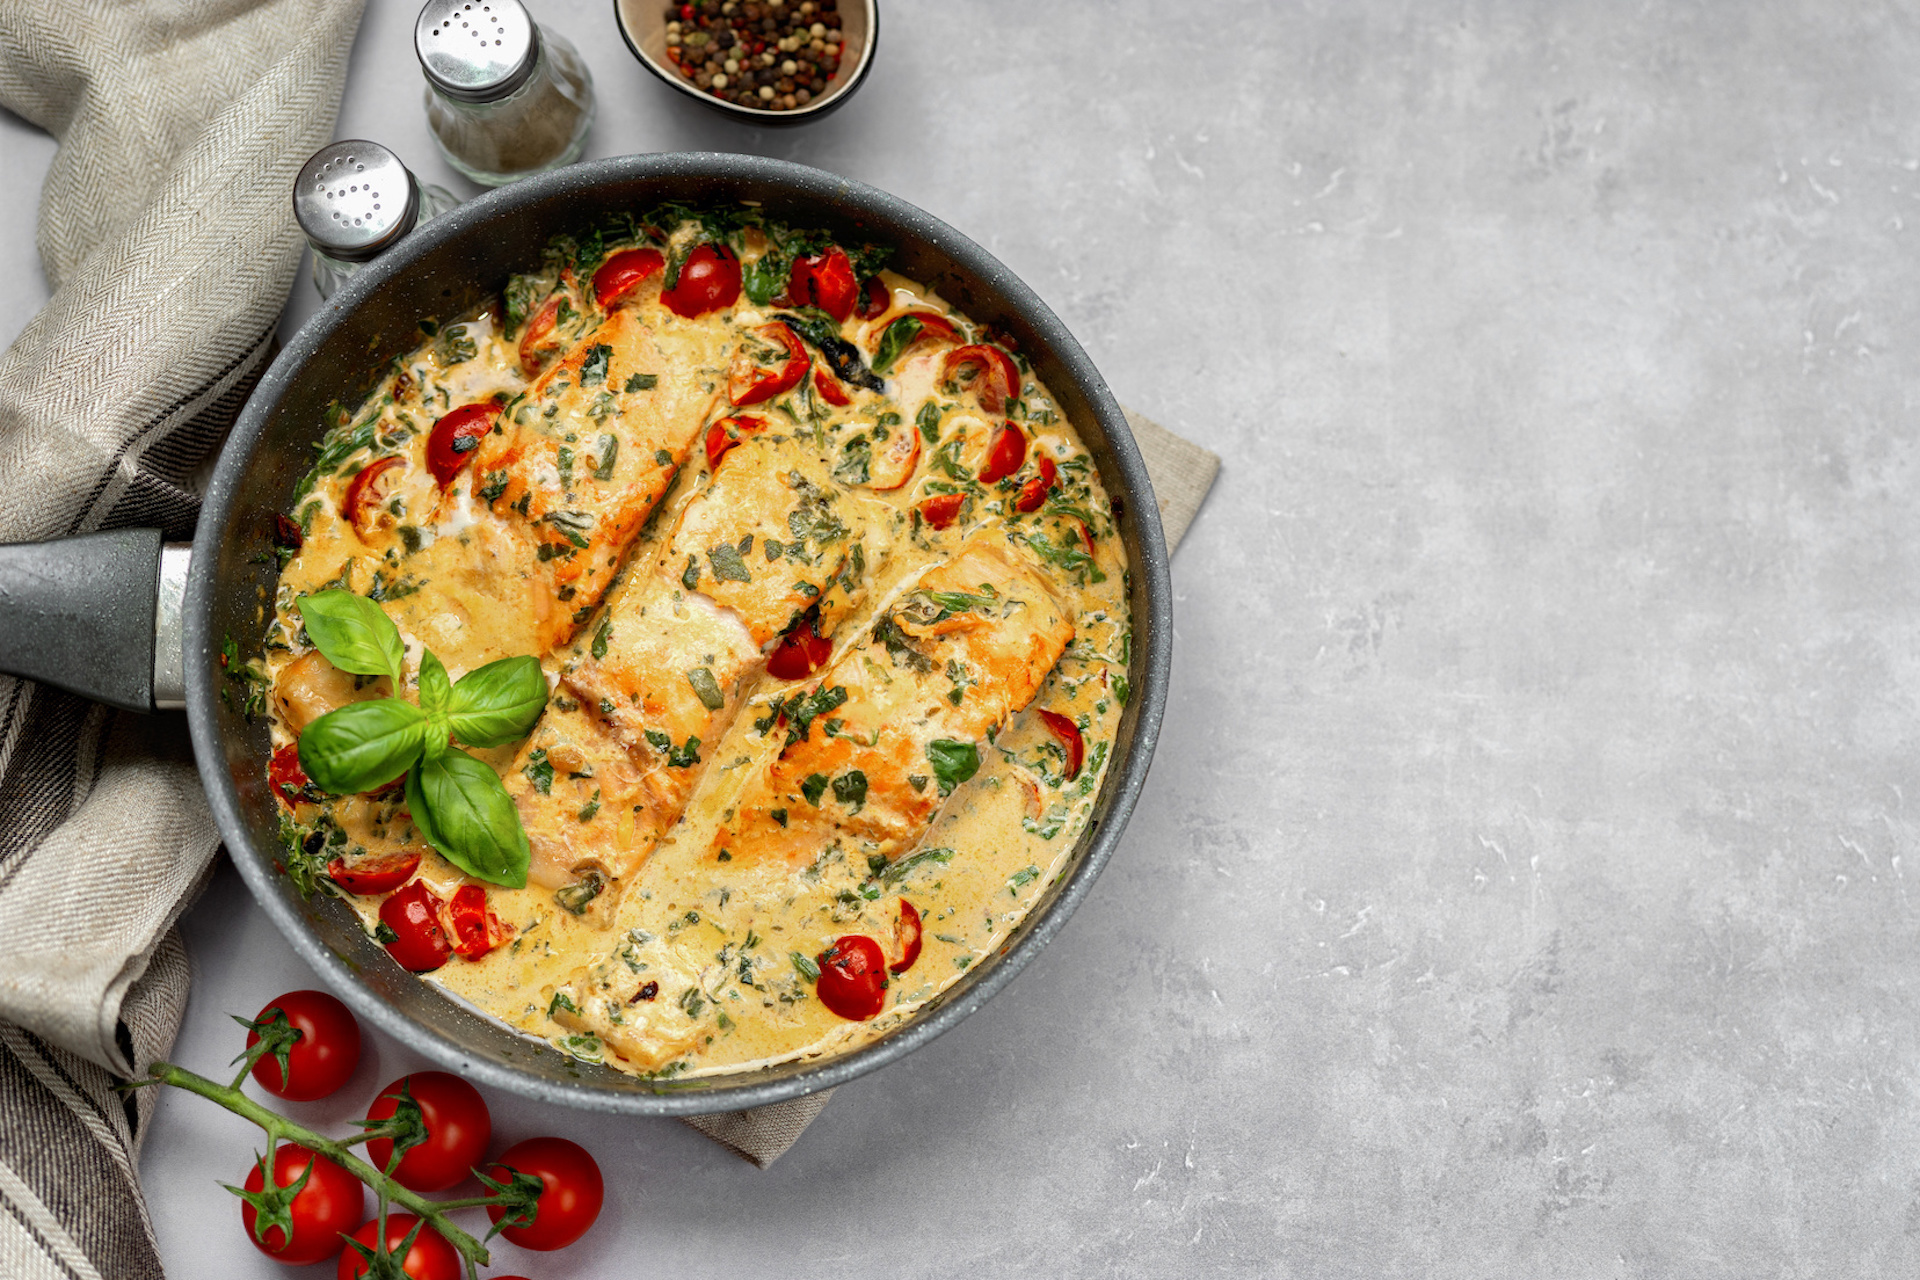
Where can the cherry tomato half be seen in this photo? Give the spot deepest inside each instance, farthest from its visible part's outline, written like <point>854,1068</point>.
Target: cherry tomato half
<point>750,382</point>
<point>1034,492</point>
<point>853,977</point>
<point>995,380</point>
<point>285,776</point>
<point>829,388</point>
<point>624,272</point>
<point>907,933</point>
<point>322,1059</point>
<point>458,1129</point>
<point>1068,733</point>
<point>362,504</point>
<point>912,329</point>
<point>941,509</point>
<point>430,1258</point>
<point>476,929</point>
<point>455,436</point>
<point>874,299</point>
<point>323,1210</point>
<point>726,433</point>
<point>537,341</point>
<point>800,653</point>
<point>1005,455</point>
<point>376,875</point>
<point>709,280</point>
<point>571,1200</point>
<point>413,914</point>
<point>824,280</point>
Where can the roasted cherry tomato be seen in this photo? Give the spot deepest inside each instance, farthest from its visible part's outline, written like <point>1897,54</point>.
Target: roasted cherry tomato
<point>941,509</point>
<point>829,388</point>
<point>571,1200</point>
<point>458,1129</point>
<point>911,330</point>
<point>907,933</point>
<point>1069,734</point>
<point>1034,492</point>
<point>322,1059</point>
<point>537,340</point>
<point>284,774</point>
<point>995,378</point>
<point>894,459</point>
<point>874,299</point>
<point>824,280</point>
<point>323,1211</point>
<point>853,977</point>
<point>750,382</point>
<point>800,653</point>
<point>709,280</point>
<point>726,433</point>
<point>455,436</point>
<point>430,1258</point>
<point>1086,536</point>
<point>413,916</point>
<point>363,503</point>
<point>624,272</point>
<point>369,876</point>
<point>1005,454</point>
<point>476,929</point>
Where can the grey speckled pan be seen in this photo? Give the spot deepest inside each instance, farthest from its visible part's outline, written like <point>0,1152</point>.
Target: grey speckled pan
<point>450,266</point>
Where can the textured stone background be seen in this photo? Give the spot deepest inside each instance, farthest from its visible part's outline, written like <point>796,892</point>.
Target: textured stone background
<point>1520,888</point>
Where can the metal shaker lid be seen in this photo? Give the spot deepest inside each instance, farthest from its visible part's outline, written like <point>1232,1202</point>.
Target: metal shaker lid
<point>355,199</point>
<point>476,50</point>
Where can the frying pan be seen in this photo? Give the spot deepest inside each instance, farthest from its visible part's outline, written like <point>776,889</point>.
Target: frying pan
<point>82,613</point>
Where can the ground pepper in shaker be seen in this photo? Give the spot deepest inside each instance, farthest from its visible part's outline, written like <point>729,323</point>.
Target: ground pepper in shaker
<point>505,96</point>
<point>355,200</point>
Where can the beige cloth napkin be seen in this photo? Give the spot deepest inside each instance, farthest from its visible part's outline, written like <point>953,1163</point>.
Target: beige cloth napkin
<point>1182,472</point>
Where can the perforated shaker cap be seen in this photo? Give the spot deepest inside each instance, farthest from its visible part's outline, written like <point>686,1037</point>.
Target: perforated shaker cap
<point>354,199</point>
<point>476,50</point>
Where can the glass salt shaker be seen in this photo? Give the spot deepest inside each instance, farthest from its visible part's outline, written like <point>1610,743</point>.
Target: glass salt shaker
<point>355,200</point>
<point>505,96</point>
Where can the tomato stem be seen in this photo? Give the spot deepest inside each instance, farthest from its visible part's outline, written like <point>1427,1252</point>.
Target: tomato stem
<point>281,1129</point>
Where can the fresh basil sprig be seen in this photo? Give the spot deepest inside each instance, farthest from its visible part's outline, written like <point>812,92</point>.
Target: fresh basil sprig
<point>457,802</point>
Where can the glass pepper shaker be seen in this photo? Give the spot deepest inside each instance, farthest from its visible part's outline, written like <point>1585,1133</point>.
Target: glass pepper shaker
<point>355,200</point>
<point>505,96</point>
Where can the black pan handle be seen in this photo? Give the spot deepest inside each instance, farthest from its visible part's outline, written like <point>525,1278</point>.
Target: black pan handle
<point>92,614</point>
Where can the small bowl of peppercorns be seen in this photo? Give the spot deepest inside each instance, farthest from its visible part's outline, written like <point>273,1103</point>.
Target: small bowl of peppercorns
<point>774,62</point>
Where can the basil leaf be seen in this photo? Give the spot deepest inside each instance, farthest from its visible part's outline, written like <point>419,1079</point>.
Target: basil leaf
<point>953,762</point>
<point>898,337</point>
<point>707,687</point>
<point>464,813</point>
<point>436,690</point>
<point>850,789</point>
<point>354,634</point>
<point>362,745</point>
<point>497,703</point>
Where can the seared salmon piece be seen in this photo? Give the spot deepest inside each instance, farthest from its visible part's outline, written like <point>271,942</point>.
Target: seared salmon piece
<point>875,744</point>
<point>579,463</point>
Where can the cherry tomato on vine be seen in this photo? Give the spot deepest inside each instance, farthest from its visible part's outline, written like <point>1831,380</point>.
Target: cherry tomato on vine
<point>458,1129</point>
<point>853,977</point>
<point>824,280</point>
<point>624,272</point>
<point>430,1258</point>
<point>413,917</point>
<point>323,1210</point>
<point>455,436</point>
<point>571,1200</point>
<point>709,280</point>
<point>322,1059</point>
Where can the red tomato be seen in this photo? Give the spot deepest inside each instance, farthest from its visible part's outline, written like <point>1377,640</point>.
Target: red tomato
<point>874,299</point>
<point>458,1129</point>
<point>322,1059</point>
<point>996,379</point>
<point>413,914</point>
<point>709,280</point>
<point>476,929</point>
<point>371,876</point>
<point>907,933</point>
<point>1035,491</point>
<point>829,388</point>
<point>430,1258</point>
<point>1069,734</point>
<point>362,503</point>
<point>1005,455</point>
<point>285,776</point>
<point>941,509</point>
<point>853,977</point>
<point>534,341</point>
<point>749,382</point>
<point>570,1201</point>
<point>932,327</point>
<point>323,1210</point>
<point>624,272</point>
<point>1086,536</point>
<point>726,433</point>
<point>824,280</point>
<point>455,436</point>
<point>800,653</point>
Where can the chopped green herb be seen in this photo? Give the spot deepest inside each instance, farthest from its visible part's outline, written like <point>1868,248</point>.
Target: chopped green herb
<point>707,687</point>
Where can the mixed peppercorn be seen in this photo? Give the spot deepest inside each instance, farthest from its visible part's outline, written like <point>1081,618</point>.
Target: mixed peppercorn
<point>778,55</point>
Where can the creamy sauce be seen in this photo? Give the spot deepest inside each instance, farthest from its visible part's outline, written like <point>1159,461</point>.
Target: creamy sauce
<point>684,959</point>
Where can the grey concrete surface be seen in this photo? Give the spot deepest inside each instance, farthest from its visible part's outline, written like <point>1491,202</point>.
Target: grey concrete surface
<point>1521,886</point>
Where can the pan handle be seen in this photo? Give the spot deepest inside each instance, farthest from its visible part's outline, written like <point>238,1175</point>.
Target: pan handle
<point>99,615</point>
